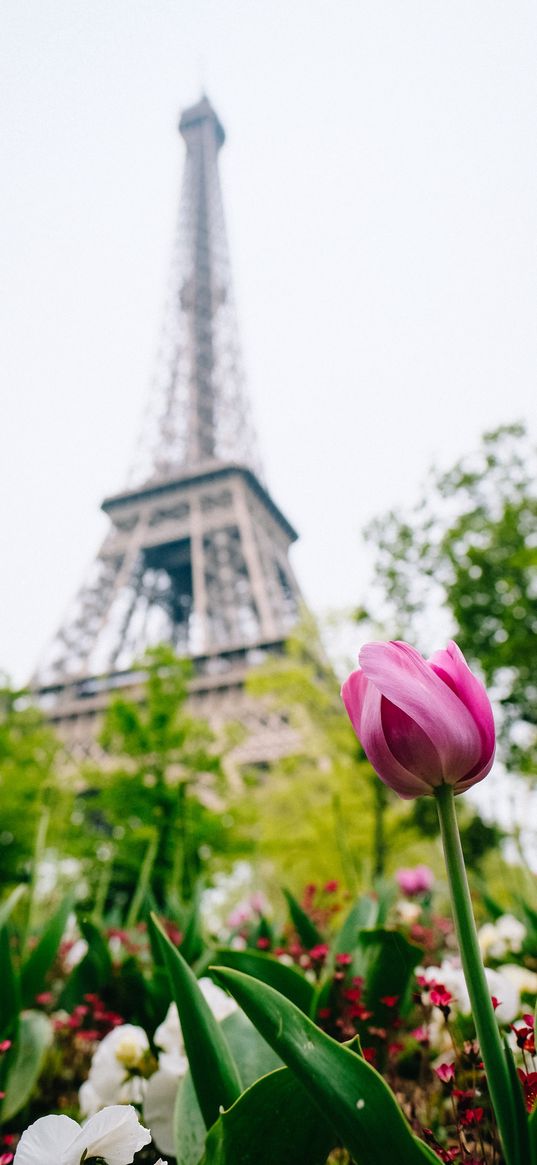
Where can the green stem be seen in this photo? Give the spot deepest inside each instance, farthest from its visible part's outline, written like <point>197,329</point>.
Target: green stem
<point>498,1077</point>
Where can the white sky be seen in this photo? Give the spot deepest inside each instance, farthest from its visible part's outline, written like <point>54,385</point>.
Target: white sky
<point>380,180</point>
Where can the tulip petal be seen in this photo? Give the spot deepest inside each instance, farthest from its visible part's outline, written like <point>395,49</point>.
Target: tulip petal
<point>410,744</point>
<point>453,669</point>
<point>46,1141</point>
<point>407,784</point>
<point>402,675</point>
<point>114,1133</point>
<point>353,694</point>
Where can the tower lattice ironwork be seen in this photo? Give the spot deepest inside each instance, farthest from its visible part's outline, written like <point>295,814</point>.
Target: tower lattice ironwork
<point>197,551</point>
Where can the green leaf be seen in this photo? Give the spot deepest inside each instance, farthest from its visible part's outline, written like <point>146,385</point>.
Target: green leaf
<point>273,1121</point>
<point>532,1127</point>
<point>39,962</point>
<point>362,914</point>
<point>519,1122</point>
<point>97,944</point>
<point>269,970</point>
<point>253,1057</point>
<point>25,1062</point>
<point>214,1072</point>
<point>386,959</point>
<point>348,1091</point>
<point>192,944</point>
<point>92,973</point>
<point>305,928</point>
<point>9,904</point>
<point>10,1002</point>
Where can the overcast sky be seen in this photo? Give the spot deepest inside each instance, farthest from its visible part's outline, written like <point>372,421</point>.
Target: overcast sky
<point>380,181</point>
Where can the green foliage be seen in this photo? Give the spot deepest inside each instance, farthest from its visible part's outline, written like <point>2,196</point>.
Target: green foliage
<point>28,752</point>
<point>273,1121</point>
<point>36,967</point>
<point>253,1057</point>
<point>286,980</point>
<point>152,802</point>
<point>24,1062</point>
<point>469,546</point>
<point>353,1097</point>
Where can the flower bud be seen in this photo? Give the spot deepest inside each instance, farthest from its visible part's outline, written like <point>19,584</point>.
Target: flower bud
<point>422,723</point>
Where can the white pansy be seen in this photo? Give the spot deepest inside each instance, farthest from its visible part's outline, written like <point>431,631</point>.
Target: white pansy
<point>114,1073</point>
<point>525,981</point>
<point>169,1037</point>
<point>486,937</point>
<point>501,938</point>
<point>114,1134</point>
<point>159,1105</point>
<point>511,931</point>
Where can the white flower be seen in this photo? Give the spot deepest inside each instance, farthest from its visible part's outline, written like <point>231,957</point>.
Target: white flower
<point>452,978</point>
<point>115,1135</point>
<point>111,1078</point>
<point>525,981</point>
<point>505,936</point>
<point>511,931</point>
<point>159,1105</point>
<point>408,912</point>
<point>169,1036</point>
<point>486,937</point>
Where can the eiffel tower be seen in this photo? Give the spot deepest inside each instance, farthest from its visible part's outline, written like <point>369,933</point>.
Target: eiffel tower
<point>197,550</point>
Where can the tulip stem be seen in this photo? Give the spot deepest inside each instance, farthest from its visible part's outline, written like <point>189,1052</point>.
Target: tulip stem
<point>492,1052</point>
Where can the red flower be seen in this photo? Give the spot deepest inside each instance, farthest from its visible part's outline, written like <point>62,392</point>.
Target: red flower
<point>529,1085</point>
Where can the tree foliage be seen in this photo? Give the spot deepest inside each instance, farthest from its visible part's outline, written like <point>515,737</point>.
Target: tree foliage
<point>164,775</point>
<point>469,548</point>
<point>28,751</point>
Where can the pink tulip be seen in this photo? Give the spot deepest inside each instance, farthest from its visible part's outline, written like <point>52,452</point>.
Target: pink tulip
<point>422,723</point>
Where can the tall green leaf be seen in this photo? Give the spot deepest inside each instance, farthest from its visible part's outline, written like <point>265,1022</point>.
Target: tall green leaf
<point>305,928</point>
<point>214,1072</point>
<point>348,1091</point>
<point>8,905</point>
<point>386,960</point>
<point>93,972</point>
<point>362,914</point>
<point>253,1057</point>
<point>274,1121</point>
<point>269,970</point>
<point>10,1001</point>
<point>39,962</point>
<point>26,1061</point>
<point>519,1122</point>
<point>192,944</point>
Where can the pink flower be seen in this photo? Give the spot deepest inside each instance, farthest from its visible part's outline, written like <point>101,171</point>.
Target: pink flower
<point>422,723</point>
<point>445,1073</point>
<point>415,880</point>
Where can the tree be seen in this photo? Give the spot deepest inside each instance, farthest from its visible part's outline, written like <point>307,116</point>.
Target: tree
<point>468,549</point>
<point>28,751</point>
<point>166,771</point>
